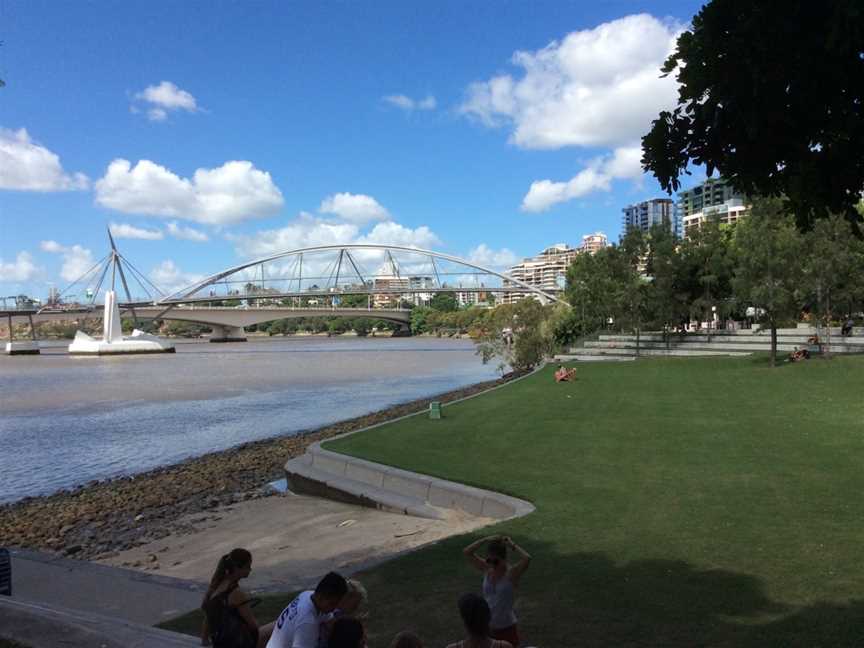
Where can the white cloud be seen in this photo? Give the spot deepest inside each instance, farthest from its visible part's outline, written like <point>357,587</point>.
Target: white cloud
<point>234,192</point>
<point>485,256</point>
<point>165,97</point>
<point>157,114</point>
<point>597,87</point>
<point>310,231</point>
<point>76,259</point>
<point>170,278</point>
<point>304,231</point>
<point>126,231</point>
<point>396,234</point>
<point>51,246</point>
<point>597,176</point>
<point>408,104</point>
<point>22,268</point>
<point>186,233</point>
<point>355,208</point>
<point>28,166</point>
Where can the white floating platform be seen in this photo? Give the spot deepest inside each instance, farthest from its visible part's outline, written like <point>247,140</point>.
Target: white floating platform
<point>138,342</point>
<point>28,347</point>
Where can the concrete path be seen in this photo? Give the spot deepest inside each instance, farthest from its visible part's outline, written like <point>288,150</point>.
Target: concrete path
<point>121,593</point>
<point>294,540</point>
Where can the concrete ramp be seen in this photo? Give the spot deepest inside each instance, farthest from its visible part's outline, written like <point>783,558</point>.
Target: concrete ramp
<point>332,475</point>
<point>39,625</point>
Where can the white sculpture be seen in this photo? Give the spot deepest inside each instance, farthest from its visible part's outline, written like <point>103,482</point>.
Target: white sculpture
<point>113,341</point>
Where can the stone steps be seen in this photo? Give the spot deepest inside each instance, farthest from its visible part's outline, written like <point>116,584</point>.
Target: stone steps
<point>588,357</point>
<point>718,346</point>
<point>630,351</point>
<point>723,338</point>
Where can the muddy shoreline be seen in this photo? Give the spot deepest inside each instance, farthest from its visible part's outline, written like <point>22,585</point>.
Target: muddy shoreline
<point>99,519</point>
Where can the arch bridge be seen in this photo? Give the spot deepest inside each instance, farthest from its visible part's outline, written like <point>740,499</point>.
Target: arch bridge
<point>354,280</point>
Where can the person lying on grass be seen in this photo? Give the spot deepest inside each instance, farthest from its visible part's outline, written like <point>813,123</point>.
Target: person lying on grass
<point>798,355</point>
<point>563,374</point>
<point>500,581</point>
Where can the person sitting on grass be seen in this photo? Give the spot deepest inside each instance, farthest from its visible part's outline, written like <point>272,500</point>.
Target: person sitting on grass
<point>347,633</point>
<point>563,374</point>
<point>406,640</point>
<point>798,355</point>
<point>475,617</point>
<point>299,624</point>
<point>351,606</point>
<point>500,582</point>
<point>229,621</point>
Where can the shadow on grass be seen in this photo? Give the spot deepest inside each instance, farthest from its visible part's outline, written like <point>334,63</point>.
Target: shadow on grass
<point>587,599</point>
<point>672,603</point>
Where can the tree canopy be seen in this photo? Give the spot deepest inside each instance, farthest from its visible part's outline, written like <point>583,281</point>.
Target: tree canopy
<point>771,95</point>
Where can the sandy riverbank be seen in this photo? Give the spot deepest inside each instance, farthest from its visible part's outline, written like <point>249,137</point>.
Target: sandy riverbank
<point>102,519</point>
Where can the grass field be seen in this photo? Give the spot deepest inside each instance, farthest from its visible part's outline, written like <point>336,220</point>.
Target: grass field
<point>680,502</point>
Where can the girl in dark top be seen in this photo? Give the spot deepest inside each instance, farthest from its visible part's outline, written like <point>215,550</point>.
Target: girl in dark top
<point>229,621</point>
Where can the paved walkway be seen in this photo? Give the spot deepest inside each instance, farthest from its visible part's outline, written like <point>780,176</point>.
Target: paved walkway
<point>294,540</point>
<point>122,593</point>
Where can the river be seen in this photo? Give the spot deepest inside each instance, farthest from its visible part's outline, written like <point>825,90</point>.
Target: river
<point>66,420</point>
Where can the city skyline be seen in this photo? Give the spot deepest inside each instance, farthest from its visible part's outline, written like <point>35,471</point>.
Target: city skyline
<point>207,134</point>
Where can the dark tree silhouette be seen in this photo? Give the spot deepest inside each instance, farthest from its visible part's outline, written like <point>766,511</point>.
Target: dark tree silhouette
<point>772,96</point>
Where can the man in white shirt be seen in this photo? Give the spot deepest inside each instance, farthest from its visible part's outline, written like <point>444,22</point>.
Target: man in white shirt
<point>300,623</point>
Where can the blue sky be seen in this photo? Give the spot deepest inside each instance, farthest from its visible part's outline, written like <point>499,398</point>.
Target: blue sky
<point>488,130</point>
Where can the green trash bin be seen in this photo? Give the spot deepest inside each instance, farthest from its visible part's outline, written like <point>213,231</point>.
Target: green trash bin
<point>434,410</point>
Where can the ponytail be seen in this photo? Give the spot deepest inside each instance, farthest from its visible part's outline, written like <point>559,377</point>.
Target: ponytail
<point>236,559</point>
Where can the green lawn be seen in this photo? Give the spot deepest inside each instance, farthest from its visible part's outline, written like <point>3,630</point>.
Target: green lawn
<point>680,502</point>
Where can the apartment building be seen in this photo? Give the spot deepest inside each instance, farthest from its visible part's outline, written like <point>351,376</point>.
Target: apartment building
<point>592,243</point>
<point>546,271</point>
<point>714,198</point>
<point>648,213</point>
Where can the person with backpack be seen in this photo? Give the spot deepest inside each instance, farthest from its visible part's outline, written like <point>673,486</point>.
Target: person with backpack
<point>229,622</point>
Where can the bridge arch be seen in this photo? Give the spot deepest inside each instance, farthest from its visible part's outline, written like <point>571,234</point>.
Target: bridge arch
<point>345,265</point>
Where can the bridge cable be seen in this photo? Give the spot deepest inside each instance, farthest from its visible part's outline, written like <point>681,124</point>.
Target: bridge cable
<point>96,265</point>
<point>140,275</point>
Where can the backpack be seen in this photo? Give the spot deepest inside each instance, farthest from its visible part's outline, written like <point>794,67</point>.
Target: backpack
<point>227,627</point>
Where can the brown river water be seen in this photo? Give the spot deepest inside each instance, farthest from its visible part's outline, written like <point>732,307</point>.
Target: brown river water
<point>68,420</point>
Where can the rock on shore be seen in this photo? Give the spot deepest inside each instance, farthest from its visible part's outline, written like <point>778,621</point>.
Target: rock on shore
<point>100,518</point>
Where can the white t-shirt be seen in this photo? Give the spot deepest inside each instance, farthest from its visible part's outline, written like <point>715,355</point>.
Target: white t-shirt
<point>298,625</point>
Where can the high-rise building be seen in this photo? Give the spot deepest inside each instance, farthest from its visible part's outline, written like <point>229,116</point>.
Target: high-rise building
<point>714,198</point>
<point>592,243</point>
<point>546,271</point>
<point>644,215</point>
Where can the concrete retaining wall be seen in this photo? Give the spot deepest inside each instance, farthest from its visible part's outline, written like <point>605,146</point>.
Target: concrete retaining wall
<point>330,474</point>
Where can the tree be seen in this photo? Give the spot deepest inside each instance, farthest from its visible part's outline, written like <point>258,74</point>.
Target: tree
<point>444,302</point>
<point>768,251</point>
<point>515,333</point>
<point>630,296</point>
<point>771,95</point>
<point>705,270</point>
<point>667,302</point>
<point>361,326</point>
<point>590,289</point>
<point>419,319</point>
<point>834,270</point>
